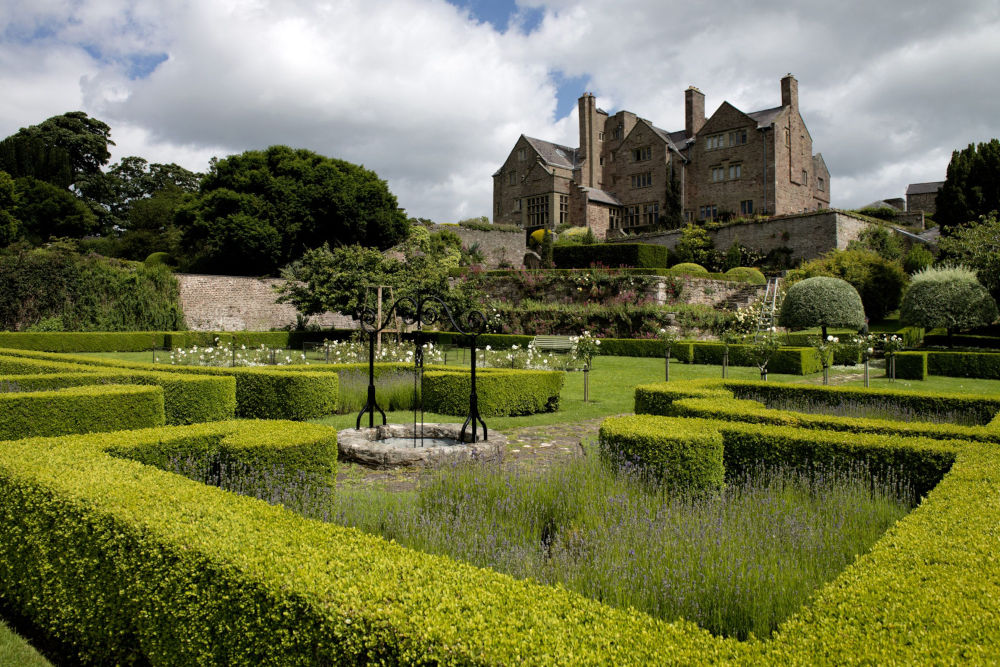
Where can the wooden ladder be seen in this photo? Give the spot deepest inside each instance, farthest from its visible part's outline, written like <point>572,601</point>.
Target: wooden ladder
<point>768,312</point>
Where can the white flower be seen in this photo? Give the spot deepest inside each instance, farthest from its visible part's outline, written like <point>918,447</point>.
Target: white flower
<point>871,350</point>
<point>829,339</point>
<point>487,348</point>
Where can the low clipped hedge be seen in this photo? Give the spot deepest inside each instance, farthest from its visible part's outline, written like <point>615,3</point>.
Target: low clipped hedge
<point>128,564</point>
<point>754,412</point>
<point>962,340</point>
<point>188,399</point>
<point>500,392</point>
<point>76,341</point>
<point>789,360</point>
<point>685,457</point>
<point>910,365</point>
<point>658,398</point>
<point>86,409</point>
<point>983,365</point>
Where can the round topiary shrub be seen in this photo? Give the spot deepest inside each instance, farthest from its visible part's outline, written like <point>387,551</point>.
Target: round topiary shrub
<point>822,302</point>
<point>158,258</point>
<point>948,297</point>
<point>690,269</point>
<point>747,274</point>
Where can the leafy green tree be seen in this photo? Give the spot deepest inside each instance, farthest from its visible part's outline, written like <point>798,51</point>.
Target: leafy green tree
<point>822,302</point>
<point>880,240</point>
<point>948,297</point>
<point>278,203</point>
<point>972,186</point>
<point>46,210</point>
<point>672,216</point>
<point>879,281</point>
<point>977,245</point>
<point>24,156</point>
<point>547,250</point>
<point>9,224</point>
<point>82,140</point>
<point>918,257</point>
<point>694,246</point>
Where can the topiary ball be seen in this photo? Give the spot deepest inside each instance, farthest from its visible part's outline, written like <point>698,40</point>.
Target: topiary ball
<point>822,302</point>
<point>158,258</point>
<point>689,268</point>
<point>747,274</point>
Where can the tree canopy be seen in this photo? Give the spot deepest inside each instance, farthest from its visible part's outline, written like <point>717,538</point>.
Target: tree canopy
<point>259,210</point>
<point>822,302</point>
<point>64,150</point>
<point>877,280</point>
<point>972,186</point>
<point>977,245</point>
<point>948,297</point>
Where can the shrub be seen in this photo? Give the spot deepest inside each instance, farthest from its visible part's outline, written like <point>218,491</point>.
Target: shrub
<point>964,364</point>
<point>948,297</point>
<point>687,457</point>
<point>501,393</point>
<point>918,258</point>
<point>694,245</point>
<point>66,341</point>
<point>822,302</point>
<point>638,255</point>
<point>880,240</point>
<point>878,281</point>
<point>747,274</point>
<point>85,409</point>
<point>788,360</point>
<point>689,268</point>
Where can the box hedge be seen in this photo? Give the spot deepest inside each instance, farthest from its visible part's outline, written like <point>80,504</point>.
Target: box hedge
<point>188,399</point>
<point>500,392</point>
<point>687,457</point>
<point>962,340</point>
<point>985,365</point>
<point>637,255</point>
<point>125,563</point>
<point>788,360</point>
<point>84,409</point>
<point>77,341</point>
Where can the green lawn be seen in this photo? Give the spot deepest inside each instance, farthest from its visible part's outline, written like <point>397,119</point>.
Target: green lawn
<point>15,651</point>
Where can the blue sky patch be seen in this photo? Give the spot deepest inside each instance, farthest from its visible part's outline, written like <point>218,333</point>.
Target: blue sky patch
<point>136,65</point>
<point>499,13</point>
<point>568,91</point>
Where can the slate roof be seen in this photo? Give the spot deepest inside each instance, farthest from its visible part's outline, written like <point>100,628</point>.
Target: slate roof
<point>923,188</point>
<point>765,117</point>
<point>600,196</point>
<point>554,154</point>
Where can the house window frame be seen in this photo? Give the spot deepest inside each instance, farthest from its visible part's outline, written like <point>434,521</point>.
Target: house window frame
<point>642,180</point>
<point>563,209</point>
<point>538,211</point>
<point>512,178</point>
<point>746,207</point>
<point>642,154</point>
<point>735,171</point>
<point>651,213</point>
<point>718,174</point>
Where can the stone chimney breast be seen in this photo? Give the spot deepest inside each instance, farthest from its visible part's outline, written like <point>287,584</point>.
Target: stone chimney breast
<point>694,111</point>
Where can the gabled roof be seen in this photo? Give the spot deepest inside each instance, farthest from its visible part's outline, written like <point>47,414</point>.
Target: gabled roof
<point>765,117</point>
<point>924,188</point>
<point>674,140</point>
<point>554,154</point>
<point>600,196</point>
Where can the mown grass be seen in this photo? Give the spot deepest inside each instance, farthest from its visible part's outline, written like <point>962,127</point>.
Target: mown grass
<point>15,651</point>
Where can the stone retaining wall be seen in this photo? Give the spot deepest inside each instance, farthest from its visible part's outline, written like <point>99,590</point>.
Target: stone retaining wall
<point>237,303</point>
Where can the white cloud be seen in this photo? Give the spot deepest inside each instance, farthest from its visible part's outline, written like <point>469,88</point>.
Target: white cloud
<point>433,100</point>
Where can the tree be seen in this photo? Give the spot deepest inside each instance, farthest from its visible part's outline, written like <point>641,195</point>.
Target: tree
<point>694,246</point>
<point>880,240</point>
<point>823,302</point>
<point>948,297</point>
<point>9,224</point>
<point>917,258</point>
<point>672,217</point>
<point>280,202</point>
<point>879,281</point>
<point>74,137</point>
<point>45,210</point>
<point>971,187</point>
<point>977,245</point>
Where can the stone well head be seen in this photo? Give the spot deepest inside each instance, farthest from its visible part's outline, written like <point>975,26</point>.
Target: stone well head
<point>398,445</point>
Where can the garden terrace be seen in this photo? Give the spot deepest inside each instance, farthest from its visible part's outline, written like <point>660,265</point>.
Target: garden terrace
<point>184,565</point>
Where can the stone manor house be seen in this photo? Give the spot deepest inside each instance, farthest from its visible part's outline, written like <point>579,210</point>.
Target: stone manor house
<point>620,177</point>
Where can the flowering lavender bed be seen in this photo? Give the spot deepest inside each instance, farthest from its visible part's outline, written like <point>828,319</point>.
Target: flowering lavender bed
<point>737,562</point>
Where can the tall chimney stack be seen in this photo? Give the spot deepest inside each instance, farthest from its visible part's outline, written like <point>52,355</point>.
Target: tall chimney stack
<point>789,92</point>
<point>590,151</point>
<point>694,111</point>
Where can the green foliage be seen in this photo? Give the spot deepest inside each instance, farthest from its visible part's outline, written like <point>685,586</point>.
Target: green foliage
<point>10,226</point>
<point>918,257</point>
<point>637,255</point>
<point>971,187</point>
<point>259,210</point>
<point>880,240</point>
<point>949,297</point>
<point>963,364</point>
<point>878,281</point>
<point>788,360</point>
<point>690,269</point>
<point>822,302</point>
<point>694,245</point>
<point>977,245</point>
<point>62,150</point>
<point>886,213</point>
<point>688,457</point>
<point>83,342</point>
<point>88,293</point>
<point>45,211</point>
<point>501,392</point>
<point>82,409</point>
<point>747,274</point>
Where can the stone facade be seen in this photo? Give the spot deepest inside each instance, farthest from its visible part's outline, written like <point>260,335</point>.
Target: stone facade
<point>236,303</point>
<point>922,197</point>
<point>630,173</point>
<point>807,235</point>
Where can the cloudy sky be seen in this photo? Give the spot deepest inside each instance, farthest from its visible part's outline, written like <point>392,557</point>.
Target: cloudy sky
<point>432,94</point>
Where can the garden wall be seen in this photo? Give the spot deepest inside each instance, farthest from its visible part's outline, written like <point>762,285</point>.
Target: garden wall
<point>808,235</point>
<point>236,303</point>
<point>499,247</point>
